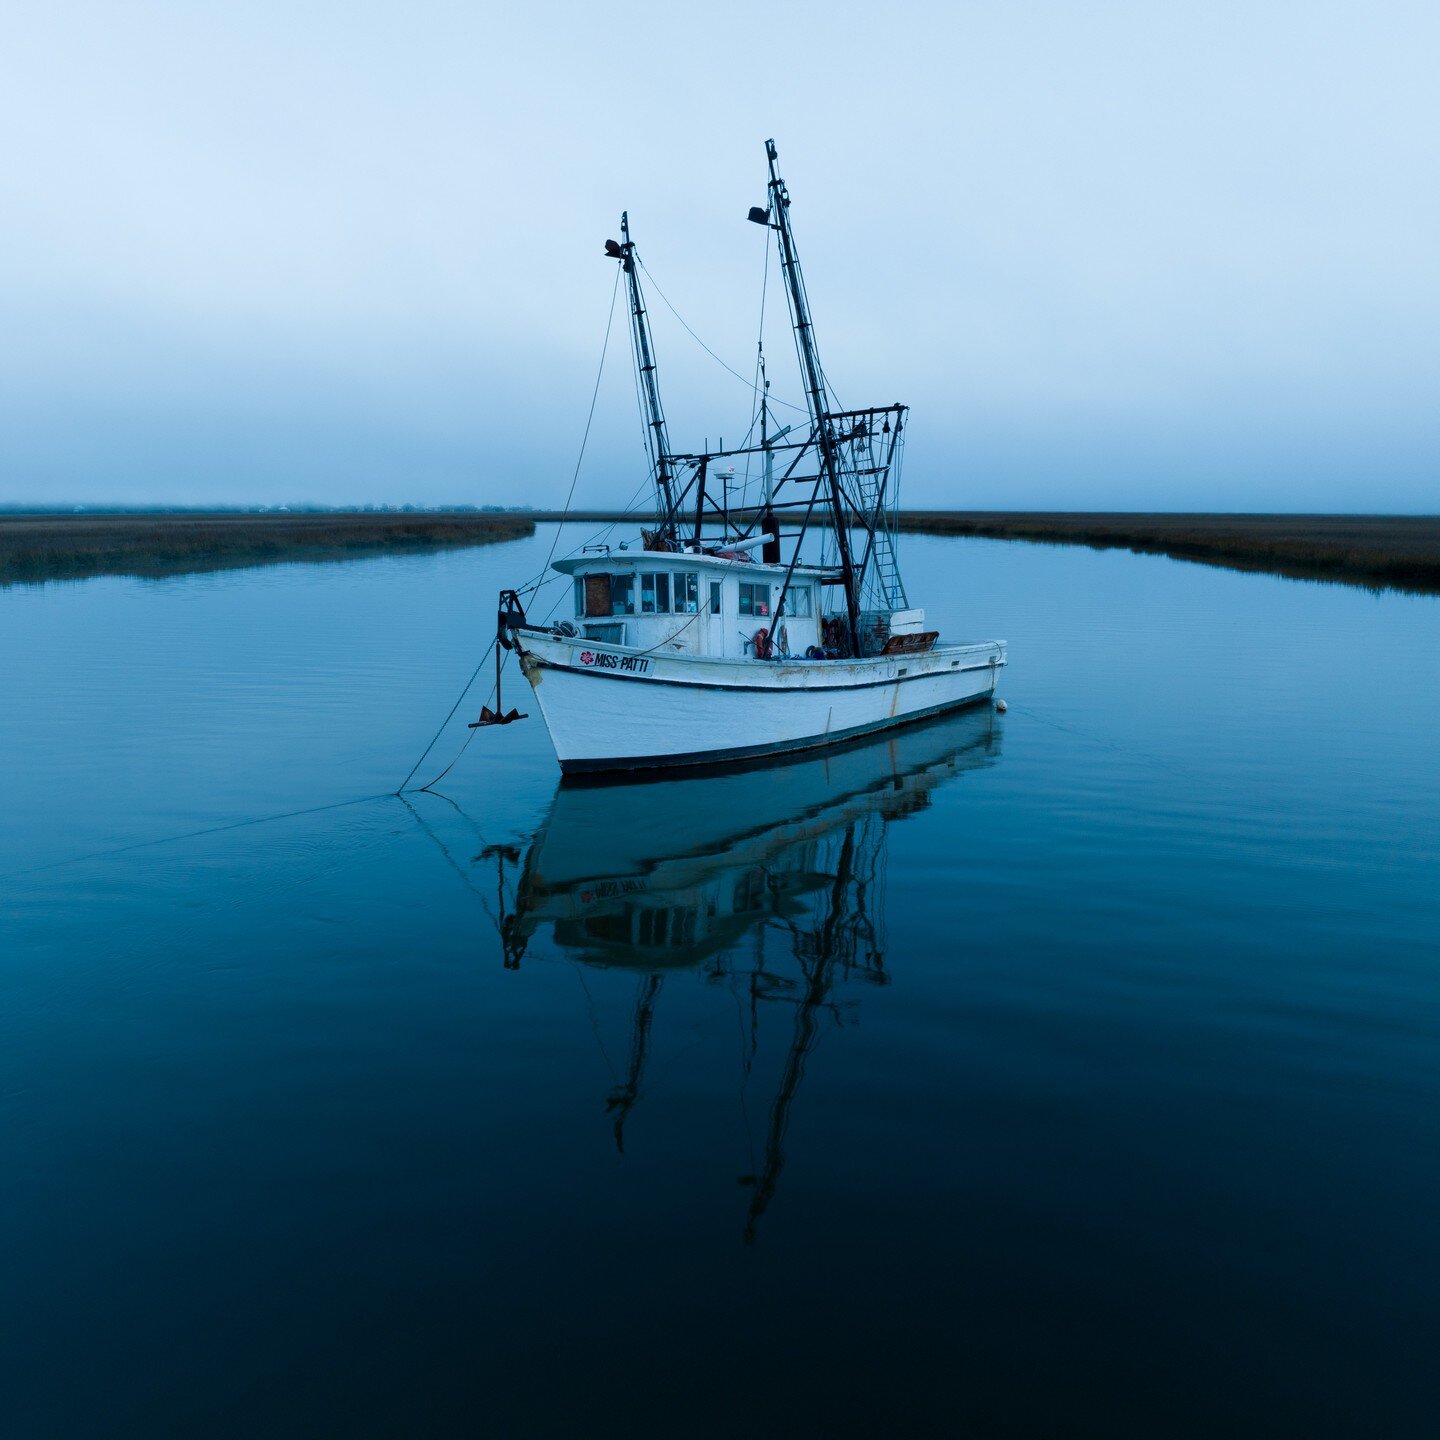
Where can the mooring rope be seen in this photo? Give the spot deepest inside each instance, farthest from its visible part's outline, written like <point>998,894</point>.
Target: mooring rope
<point>474,675</point>
<point>194,834</point>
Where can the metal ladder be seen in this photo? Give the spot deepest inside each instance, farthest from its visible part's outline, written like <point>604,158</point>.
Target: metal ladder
<point>883,561</point>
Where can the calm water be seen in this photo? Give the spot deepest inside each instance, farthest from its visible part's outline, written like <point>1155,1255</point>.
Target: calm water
<point>1070,1071</point>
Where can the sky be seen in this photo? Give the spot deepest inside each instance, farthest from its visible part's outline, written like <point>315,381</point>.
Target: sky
<point>1173,256</point>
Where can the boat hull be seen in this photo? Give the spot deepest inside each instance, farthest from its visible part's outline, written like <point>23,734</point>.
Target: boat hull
<point>609,708</point>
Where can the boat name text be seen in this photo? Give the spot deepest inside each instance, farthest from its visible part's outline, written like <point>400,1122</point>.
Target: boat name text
<point>601,660</point>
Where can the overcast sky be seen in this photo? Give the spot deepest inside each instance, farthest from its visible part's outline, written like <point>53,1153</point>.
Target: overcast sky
<point>1161,256</point>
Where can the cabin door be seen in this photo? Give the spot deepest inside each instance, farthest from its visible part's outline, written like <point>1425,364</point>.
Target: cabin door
<point>714,620</point>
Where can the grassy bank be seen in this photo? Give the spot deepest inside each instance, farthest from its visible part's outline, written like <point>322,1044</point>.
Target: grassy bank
<point>71,547</point>
<point>1400,552</point>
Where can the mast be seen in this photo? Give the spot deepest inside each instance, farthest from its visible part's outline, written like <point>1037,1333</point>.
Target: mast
<point>657,438</point>
<point>816,398</point>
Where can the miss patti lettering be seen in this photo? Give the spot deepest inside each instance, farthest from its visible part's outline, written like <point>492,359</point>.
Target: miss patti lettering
<point>635,664</point>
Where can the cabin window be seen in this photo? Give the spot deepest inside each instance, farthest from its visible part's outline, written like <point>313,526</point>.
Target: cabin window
<point>654,594</point>
<point>798,602</point>
<point>611,634</point>
<point>672,927</point>
<point>604,595</point>
<point>714,597</point>
<point>754,599</point>
<point>609,929</point>
<point>685,592</point>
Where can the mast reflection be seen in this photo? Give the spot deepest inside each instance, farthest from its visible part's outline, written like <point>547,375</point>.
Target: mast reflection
<point>772,880</point>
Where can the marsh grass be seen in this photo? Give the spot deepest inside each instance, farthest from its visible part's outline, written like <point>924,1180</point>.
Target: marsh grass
<point>36,548</point>
<point>1398,552</point>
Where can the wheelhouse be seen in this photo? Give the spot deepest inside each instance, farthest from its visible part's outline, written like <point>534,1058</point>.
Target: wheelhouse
<point>696,604</point>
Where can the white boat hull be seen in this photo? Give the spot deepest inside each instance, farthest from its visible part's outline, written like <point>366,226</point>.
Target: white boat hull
<point>612,708</point>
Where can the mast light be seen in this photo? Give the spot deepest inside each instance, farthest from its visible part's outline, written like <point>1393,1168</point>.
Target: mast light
<point>758,216</point>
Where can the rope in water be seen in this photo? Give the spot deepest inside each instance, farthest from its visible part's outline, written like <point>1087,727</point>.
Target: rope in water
<point>194,834</point>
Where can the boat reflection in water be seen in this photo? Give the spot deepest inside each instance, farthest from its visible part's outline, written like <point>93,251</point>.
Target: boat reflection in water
<point>770,879</point>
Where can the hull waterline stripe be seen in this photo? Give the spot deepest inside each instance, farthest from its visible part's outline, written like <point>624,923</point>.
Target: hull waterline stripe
<point>747,752</point>
<point>758,689</point>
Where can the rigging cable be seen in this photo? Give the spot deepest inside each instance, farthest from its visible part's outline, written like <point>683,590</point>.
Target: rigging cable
<point>589,420</point>
<point>705,347</point>
<point>555,540</point>
<point>759,396</point>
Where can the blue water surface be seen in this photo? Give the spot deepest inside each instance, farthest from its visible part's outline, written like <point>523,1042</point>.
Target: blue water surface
<point>1072,1071</point>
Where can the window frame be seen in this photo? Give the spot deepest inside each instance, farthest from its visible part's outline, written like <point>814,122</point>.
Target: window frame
<point>613,632</point>
<point>794,593</point>
<point>753,590</point>
<point>657,584</point>
<point>684,592</point>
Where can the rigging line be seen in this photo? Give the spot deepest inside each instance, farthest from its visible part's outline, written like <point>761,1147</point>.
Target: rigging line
<point>554,541</point>
<point>584,440</point>
<point>758,399</point>
<point>541,579</point>
<point>474,675</point>
<point>677,633</point>
<point>704,346</point>
<point>533,589</point>
<point>764,291</point>
<point>747,1066</point>
<point>647,435</point>
<point>595,1024</point>
<point>589,419</point>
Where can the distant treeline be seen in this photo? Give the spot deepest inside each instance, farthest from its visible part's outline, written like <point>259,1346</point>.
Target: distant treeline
<point>36,547</point>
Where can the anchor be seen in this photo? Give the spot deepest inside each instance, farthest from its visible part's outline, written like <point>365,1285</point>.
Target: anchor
<point>511,613</point>
<point>491,717</point>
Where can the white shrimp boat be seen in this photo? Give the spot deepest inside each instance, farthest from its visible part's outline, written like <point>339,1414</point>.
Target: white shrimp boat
<point>734,629</point>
